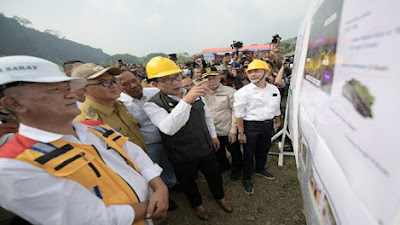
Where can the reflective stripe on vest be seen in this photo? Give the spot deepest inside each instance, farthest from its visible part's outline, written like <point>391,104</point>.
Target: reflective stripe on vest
<point>83,164</point>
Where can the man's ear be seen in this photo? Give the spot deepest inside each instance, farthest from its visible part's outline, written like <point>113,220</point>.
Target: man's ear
<point>11,103</point>
<point>83,91</point>
<point>154,84</point>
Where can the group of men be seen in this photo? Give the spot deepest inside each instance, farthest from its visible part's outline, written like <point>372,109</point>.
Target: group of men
<point>117,163</point>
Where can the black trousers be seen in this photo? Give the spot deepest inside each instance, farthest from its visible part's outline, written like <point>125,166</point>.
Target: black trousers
<point>186,173</point>
<point>258,134</point>
<point>234,149</point>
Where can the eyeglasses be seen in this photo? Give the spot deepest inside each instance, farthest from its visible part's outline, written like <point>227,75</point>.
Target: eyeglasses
<point>105,83</point>
<point>170,80</point>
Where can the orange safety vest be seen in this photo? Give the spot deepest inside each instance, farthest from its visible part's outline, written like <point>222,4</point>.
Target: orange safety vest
<point>79,162</point>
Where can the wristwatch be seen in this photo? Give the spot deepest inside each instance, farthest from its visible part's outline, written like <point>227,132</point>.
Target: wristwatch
<point>241,133</point>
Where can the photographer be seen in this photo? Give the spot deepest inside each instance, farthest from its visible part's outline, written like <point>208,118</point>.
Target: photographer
<point>276,40</point>
<point>276,78</point>
<point>199,61</point>
<point>227,59</point>
<point>240,58</point>
<point>241,76</point>
<point>119,64</point>
<point>227,79</point>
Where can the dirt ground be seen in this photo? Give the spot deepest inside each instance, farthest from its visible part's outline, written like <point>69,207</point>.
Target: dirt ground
<point>274,202</point>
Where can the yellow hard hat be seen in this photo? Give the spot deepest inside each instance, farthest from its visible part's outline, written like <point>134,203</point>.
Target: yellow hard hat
<point>257,64</point>
<point>161,67</point>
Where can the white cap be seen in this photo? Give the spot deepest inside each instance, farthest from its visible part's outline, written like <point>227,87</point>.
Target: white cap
<point>33,69</point>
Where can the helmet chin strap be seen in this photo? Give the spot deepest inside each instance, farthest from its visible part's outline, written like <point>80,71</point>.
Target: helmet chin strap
<point>257,81</point>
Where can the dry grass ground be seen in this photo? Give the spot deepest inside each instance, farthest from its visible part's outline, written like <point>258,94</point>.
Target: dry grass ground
<point>274,202</point>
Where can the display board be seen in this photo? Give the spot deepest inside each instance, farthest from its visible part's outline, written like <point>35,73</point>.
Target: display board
<point>344,115</point>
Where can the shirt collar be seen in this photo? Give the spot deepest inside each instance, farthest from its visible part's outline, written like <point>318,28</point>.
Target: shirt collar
<point>101,108</point>
<point>176,97</point>
<point>46,136</point>
<point>253,86</point>
<point>132,99</point>
<point>219,88</point>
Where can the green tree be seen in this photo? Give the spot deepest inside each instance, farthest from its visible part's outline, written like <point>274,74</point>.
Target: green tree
<point>146,59</point>
<point>23,21</point>
<point>183,57</point>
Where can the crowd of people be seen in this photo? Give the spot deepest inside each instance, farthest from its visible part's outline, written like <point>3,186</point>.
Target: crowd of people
<point>137,135</point>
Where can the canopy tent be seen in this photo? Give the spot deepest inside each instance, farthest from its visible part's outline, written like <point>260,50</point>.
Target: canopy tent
<point>265,47</point>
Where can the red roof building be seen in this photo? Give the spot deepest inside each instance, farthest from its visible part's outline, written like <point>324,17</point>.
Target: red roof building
<point>265,47</point>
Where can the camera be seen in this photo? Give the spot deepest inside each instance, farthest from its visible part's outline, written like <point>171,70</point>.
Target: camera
<point>237,44</point>
<point>188,64</point>
<point>269,62</point>
<point>289,60</point>
<point>172,56</point>
<point>275,38</point>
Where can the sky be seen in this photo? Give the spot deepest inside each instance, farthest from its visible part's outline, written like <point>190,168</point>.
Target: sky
<point>140,27</point>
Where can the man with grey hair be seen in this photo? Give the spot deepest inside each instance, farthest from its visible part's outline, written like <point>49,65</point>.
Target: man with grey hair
<point>134,96</point>
<point>70,65</point>
<point>197,75</point>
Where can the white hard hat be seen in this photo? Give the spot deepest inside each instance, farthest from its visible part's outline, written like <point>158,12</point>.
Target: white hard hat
<point>36,70</point>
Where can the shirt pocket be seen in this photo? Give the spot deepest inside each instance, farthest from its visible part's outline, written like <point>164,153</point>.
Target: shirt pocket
<point>78,166</point>
<point>222,101</point>
<point>275,102</point>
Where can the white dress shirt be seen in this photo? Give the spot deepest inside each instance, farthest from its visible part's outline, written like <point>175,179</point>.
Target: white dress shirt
<point>257,104</point>
<point>135,106</point>
<point>171,123</point>
<point>41,198</point>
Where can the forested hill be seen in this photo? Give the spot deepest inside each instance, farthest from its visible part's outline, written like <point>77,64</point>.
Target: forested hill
<point>16,39</point>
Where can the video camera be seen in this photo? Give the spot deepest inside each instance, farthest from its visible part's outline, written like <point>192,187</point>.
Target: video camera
<point>289,60</point>
<point>275,38</point>
<point>172,57</point>
<point>188,64</point>
<point>237,45</point>
<point>239,71</point>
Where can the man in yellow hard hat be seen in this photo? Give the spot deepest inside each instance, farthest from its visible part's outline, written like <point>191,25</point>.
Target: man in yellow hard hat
<point>187,131</point>
<point>256,106</point>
